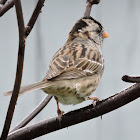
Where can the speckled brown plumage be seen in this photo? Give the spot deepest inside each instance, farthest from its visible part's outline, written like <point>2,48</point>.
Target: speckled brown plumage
<point>76,68</point>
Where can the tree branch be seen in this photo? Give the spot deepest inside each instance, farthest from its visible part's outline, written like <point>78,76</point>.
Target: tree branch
<point>27,119</point>
<point>34,17</point>
<point>3,1</point>
<point>89,6</point>
<point>78,116</point>
<point>22,36</point>
<point>19,70</point>
<point>4,8</point>
<point>135,79</point>
<point>46,100</point>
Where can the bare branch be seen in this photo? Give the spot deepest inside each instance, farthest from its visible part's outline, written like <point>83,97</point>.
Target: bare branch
<point>22,35</point>
<point>46,100</point>
<point>26,120</point>
<point>4,8</point>
<point>131,79</point>
<point>77,116</point>
<point>34,17</point>
<point>19,70</point>
<point>89,6</point>
<point>3,1</point>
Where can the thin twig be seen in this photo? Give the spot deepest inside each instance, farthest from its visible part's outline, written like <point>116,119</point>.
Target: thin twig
<point>34,16</point>
<point>3,1</point>
<point>77,116</point>
<point>4,8</point>
<point>19,70</point>
<point>27,119</point>
<point>31,24</point>
<point>46,100</point>
<point>131,79</point>
<point>89,6</point>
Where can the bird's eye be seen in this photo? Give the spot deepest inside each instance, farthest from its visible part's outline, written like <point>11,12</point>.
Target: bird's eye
<point>98,30</point>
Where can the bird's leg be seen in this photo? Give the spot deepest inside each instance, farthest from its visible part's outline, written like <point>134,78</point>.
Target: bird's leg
<point>59,112</point>
<point>95,100</point>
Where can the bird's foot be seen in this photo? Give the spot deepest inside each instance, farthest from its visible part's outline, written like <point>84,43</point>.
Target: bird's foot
<point>60,114</point>
<point>95,100</point>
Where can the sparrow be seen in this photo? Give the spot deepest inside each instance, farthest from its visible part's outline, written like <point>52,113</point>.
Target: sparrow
<point>76,68</point>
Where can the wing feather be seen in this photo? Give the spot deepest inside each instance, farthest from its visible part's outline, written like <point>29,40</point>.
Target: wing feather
<point>75,66</point>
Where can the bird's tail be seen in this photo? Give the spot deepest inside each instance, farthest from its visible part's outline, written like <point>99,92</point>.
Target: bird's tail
<point>31,87</point>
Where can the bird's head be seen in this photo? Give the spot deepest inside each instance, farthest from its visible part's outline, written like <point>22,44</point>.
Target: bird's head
<point>88,28</point>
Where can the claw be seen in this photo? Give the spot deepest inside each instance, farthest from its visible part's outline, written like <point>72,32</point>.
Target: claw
<point>60,114</point>
<point>95,100</point>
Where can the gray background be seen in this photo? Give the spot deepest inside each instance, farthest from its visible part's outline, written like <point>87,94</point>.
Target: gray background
<point>121,52</point>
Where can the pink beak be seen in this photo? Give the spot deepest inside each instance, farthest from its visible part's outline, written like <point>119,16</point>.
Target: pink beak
<point>105,34</point>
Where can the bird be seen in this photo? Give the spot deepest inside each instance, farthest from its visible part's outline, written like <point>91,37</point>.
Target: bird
<point>76,68</point>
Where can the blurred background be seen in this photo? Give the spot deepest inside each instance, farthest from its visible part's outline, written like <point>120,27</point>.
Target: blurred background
<point>121,53</point>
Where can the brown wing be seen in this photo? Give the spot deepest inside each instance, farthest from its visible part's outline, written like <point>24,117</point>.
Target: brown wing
<point>79,61</point>
<point>57,66</point>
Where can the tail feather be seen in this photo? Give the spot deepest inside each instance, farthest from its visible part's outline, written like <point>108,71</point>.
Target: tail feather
<point>31,87</point>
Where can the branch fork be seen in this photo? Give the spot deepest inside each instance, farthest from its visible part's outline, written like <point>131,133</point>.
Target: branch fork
<point>23,33</point>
